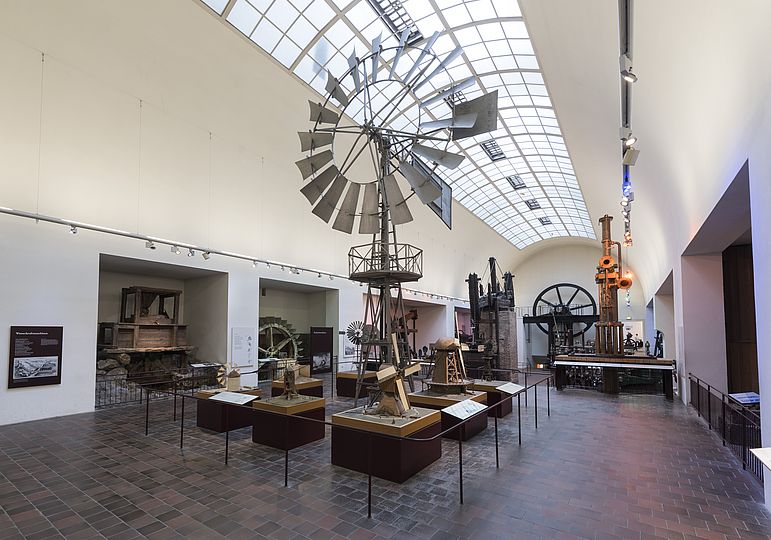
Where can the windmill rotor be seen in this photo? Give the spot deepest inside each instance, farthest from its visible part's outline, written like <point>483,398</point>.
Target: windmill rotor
<point>351,168</point>
<point>354,332</point>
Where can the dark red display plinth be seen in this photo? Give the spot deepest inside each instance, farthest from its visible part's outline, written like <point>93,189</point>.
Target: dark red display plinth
<point>391,458</point>
<point>495,396</point>
<point>221,417</point>
<point>280,423</point>
<point>346,383</point>
<point>431,400</point>
<point>305,387</point>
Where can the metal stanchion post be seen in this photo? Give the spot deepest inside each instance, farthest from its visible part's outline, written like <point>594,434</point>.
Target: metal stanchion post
<point>535,403</point>
<point>722,409</point>
<point>525,388</point>
<point>286,452</point>
<point>709,407</point>
<point>698,398</point>
<point>227,433</point>
<point>174,417</point>
<point>369,471</point>
<point>495,417</point>
<point>182,422</point>
<point>519,416</point>
<point>460,460</point>
<point>147,412</point>
<point>548,398</point>
<point>744,446</point>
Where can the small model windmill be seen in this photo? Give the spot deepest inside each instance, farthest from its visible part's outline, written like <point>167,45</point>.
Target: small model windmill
<point>290,378</point>
<point>229,377</point>
<point>345,155</point>
<point>392,399</point>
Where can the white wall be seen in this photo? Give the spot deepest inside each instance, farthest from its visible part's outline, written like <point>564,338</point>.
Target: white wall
<point>704,331</point>
<point>207,316</point>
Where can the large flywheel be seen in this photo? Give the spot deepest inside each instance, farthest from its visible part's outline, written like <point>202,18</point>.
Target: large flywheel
<point>277,339</point>
<point>565,299</point>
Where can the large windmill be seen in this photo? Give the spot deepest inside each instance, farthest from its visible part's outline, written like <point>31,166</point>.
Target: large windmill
<point>345,155</point>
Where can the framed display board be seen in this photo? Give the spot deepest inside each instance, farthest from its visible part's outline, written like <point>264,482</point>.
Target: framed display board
<point>321,348</point>
<point>243,346</point>
<point>35,358</point>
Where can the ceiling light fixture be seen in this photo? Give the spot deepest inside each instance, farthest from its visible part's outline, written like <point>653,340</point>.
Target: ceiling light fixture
<point>625,134</point>
<point>73,229</point>
<point>150,244</point>
<point>254,264</point>
<point>190,252</point>
<point>175,250</point>
<point>625,64</point>
<point>205,255</point>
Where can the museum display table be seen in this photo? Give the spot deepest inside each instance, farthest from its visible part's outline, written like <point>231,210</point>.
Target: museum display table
<point>610,366</point>
<point>391,459</point>
<point>346,383</point>
<point>287,429</point>
<point>432,400</point>
<point>220,417</point>
<point>306,386</point>
<point>494,396</point>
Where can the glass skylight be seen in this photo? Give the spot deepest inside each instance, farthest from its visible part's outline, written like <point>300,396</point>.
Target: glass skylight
<point>310,37</point>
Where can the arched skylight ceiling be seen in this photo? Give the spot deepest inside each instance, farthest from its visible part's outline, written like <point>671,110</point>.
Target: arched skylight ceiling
<point>518,179</point>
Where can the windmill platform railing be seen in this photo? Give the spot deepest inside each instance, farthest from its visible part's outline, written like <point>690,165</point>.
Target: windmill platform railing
<point>403,263</point>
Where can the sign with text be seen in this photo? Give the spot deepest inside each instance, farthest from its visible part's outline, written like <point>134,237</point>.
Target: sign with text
<point>511,388</point>
<point>36,356</point>
<point>233,397</point>
<point>243,347</point>
<point>464,409</point>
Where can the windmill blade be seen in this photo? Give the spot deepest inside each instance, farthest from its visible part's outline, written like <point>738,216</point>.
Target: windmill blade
<point>370,219</point>
<point>459,121</point>
<point>454,89</point>
<point>412,370</point>
<point>326,205</point>
<point>376,55</point>
<point>310,140</point>
<point>442,157</point>
<point>401,393</point>
<point>335,90</point>
<point>486,109</point>
<point>316,187</point>
<point>426,190</point>
<point>400,213</point>
<point>424,52</point>
<point>353,64</point>
<point>314,163</point>
<point>449,59</point>
<point>344,220</point>
<point>399,51</point>
<point>322,115</point>
<point>386,373</point>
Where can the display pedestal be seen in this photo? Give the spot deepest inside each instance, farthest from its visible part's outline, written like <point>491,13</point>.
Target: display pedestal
<point>346,383</point>
<point>494,396</point>
<point>220,417</point>
<point>390,459</point>
<point>426,398</point>
<point>278,422</point>
<point>306,386</point>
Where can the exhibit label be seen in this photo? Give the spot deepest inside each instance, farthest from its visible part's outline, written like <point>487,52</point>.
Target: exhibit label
<point>511,388</point>
<point>36,356</point>
<point>464,409</point>
<point>233,397</point>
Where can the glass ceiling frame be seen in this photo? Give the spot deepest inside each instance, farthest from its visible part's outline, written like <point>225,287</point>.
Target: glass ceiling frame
<point>311,37</point>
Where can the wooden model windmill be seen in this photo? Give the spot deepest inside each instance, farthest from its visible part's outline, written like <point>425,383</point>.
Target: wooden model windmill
<point>345,155</point>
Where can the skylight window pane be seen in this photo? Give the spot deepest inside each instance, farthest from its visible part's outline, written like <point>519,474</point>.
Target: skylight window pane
<point>243,16</point>
<point>217,5</point>
<point>286,52</point>
<point>282,14</point>
<point>266,35</point>
<point>319,14</point>
<point>302,32</point>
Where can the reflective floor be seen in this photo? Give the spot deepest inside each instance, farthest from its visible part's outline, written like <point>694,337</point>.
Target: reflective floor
<point>599,467</point>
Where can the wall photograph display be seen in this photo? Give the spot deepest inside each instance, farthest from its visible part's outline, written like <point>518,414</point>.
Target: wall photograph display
<point>35,357</point>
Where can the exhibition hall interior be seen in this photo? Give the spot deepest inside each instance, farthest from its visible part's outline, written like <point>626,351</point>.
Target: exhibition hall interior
<point>385,269</point>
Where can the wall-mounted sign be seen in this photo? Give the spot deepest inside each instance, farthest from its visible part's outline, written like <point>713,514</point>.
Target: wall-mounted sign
<point>243,346</point>
<point>36,356</point>
<point>321,349</point>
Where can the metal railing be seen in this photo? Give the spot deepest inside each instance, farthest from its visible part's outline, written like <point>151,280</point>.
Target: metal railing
<point>370,258</point>
<point>126,388</point>
<point>737,425</point>
<point>457,429</point>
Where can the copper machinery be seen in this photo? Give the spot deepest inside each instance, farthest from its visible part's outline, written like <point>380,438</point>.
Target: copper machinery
<point>609,279</point>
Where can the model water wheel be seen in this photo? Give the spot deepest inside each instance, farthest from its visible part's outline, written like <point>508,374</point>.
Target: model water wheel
<point>565,299</point>
<point>277,339</point>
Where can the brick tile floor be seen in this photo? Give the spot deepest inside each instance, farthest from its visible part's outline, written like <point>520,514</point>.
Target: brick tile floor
<point>600,467</point>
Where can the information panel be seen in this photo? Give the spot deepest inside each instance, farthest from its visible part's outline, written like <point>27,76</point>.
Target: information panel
<point>36,356</point>
<point>464,409</point>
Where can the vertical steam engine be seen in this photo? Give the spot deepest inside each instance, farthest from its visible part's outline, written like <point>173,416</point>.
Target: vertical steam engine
<point>610,279</point>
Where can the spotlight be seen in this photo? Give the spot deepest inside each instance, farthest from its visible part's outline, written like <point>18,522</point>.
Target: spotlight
<point>624,203</point>
<point>150,244</point>
<point>625,134</point>
<point>319,274</point>
<point>190,253</point>
<point>630,156</point>
<point>73,229</point>
<point>625,68</point>
<point>267,264</point>
<point>205,255</point>
<point>331,277</point>
<point>175,250</point>
<point>254,264</point>
<point>282,268</point>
